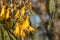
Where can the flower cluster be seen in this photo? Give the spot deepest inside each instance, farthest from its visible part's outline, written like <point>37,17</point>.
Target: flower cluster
<point>22,24</point>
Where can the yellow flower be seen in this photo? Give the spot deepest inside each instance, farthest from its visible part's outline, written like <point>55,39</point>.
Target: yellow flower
<point>23,10</point>
<point>8,13</point>
<point>26,23</point>
<point>17,15</point>
<point>22,33</point>
<point>2,15</point>
<point>17,30</point>
<point>15,6</point>
<point>22,26</point>
<point>31,28</point>
<point>3,10</point>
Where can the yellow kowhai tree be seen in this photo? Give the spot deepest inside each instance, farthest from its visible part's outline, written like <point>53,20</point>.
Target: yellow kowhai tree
<point>22,24</point>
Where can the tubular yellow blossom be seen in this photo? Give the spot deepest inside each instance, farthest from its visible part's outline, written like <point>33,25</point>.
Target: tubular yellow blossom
<point>8,13</point>
<point>26,23</point>
<point>15,6</point>
<point>2,15</point>
<point>3,10</point>
<point>23,10</point>
<point>17,30</point>
<point>22,33</point>
<point>31,28</point>
<point>17,15</point>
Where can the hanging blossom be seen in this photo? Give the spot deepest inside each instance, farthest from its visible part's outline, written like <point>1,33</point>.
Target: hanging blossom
<point>23,23</point>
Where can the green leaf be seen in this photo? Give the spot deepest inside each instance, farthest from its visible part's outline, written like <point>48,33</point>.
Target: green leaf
<point>13,38</point>
<point>0,34</point>
<point>49,26</point>
<point>5,34</point>
<point>52,7</point>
